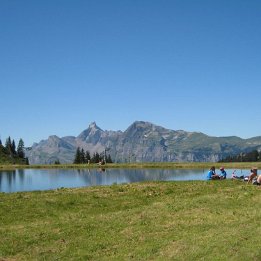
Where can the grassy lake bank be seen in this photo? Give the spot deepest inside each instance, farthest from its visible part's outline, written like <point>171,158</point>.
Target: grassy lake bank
<point>195,220</point>
<point>163,165</point>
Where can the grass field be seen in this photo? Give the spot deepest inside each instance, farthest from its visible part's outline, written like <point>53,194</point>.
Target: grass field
<point>195,220</point>
<point>164,165</point>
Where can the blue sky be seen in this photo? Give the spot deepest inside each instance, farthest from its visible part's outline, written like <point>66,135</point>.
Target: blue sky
<point>181,64</point>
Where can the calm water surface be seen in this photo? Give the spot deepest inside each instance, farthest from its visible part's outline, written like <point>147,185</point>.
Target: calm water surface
<point>45,179</point>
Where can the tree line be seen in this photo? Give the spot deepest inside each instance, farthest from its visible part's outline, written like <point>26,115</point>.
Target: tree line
<point>252,156</point>
<point>82,157</point>
<point>10,151</point>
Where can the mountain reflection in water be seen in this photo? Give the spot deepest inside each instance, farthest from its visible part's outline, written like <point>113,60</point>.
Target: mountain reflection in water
<point>45,179</point>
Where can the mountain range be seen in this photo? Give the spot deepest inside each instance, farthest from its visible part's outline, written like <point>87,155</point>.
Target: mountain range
<point>141,142</point>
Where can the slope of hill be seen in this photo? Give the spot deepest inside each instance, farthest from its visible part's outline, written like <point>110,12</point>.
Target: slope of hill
<point>141,142</point>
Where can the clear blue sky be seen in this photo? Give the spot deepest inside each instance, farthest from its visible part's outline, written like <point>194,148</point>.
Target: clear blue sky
<point>181,64</point>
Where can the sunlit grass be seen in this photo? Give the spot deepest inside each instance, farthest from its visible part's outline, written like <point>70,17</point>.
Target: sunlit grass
<point>216,220</point>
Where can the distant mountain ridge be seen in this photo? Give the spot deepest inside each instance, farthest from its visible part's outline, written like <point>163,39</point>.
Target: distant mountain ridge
<point>141,142</point>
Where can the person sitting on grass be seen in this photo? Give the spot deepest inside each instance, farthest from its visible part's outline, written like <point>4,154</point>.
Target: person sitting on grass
<point>212,174</point>
<point>252,175</point>
<point>258,181</point>
<point>234,176</point>
<point>223,174</point>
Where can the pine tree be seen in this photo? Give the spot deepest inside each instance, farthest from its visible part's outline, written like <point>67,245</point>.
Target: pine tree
<point>20,149</point>
<point>108,159</point>
<point>8,146</point>
<point>26,161</point>
<point>13,148</point>
<point>77,159</point>
<point>82,156</point>
<point>96,158</point>
<point>87,156</point>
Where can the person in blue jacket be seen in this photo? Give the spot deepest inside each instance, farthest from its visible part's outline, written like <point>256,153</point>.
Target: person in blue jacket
<point>223,174</point>
<point>212,174</point>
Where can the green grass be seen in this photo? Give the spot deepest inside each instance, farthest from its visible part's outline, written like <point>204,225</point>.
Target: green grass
<point>170,165</point>
<point>196,220</point>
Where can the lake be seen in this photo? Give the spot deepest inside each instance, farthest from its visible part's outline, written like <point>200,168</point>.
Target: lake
<point>46,179</point>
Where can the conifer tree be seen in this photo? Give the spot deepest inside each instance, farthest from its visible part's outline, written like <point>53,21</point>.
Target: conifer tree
<point>87,156</point>
<point>13,148</point>
<point>8,146</point>
<point>96,158</point>
<point>26,161</point>
<point>108,159</point>
<point>20,149</point>
<point>1,146</point>
<point>82,156</point>
<point>77,159</point>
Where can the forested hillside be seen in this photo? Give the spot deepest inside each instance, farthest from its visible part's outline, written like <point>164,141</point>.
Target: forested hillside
<point>9,154</point>
<point>252,156</point>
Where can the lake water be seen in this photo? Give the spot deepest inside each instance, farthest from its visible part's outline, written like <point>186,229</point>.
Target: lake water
<point>45,179</point>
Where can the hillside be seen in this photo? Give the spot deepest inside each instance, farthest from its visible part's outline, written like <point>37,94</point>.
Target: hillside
<point>141,142</point>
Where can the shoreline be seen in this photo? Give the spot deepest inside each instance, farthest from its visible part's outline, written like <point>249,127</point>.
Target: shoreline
<point>163,165</point>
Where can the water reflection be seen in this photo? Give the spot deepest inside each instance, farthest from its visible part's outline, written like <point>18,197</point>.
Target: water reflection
<point>35,179</point>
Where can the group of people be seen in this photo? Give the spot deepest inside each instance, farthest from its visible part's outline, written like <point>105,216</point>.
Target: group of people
<point>251,178</point>
<point>212,173</point>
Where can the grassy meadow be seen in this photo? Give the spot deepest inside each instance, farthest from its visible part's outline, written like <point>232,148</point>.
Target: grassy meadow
<point>192,220</point>
<point>163,165</point>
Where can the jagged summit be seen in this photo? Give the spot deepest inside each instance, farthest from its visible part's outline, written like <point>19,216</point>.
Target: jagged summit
<point>93,125</point>
<point>53,138</point>
<point>91,130</point>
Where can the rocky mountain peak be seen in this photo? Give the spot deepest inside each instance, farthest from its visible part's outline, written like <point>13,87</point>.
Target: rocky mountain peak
<point>53,138</point>
<point>55,141</point>
<point>92,130</point>
<point>93,125</point>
